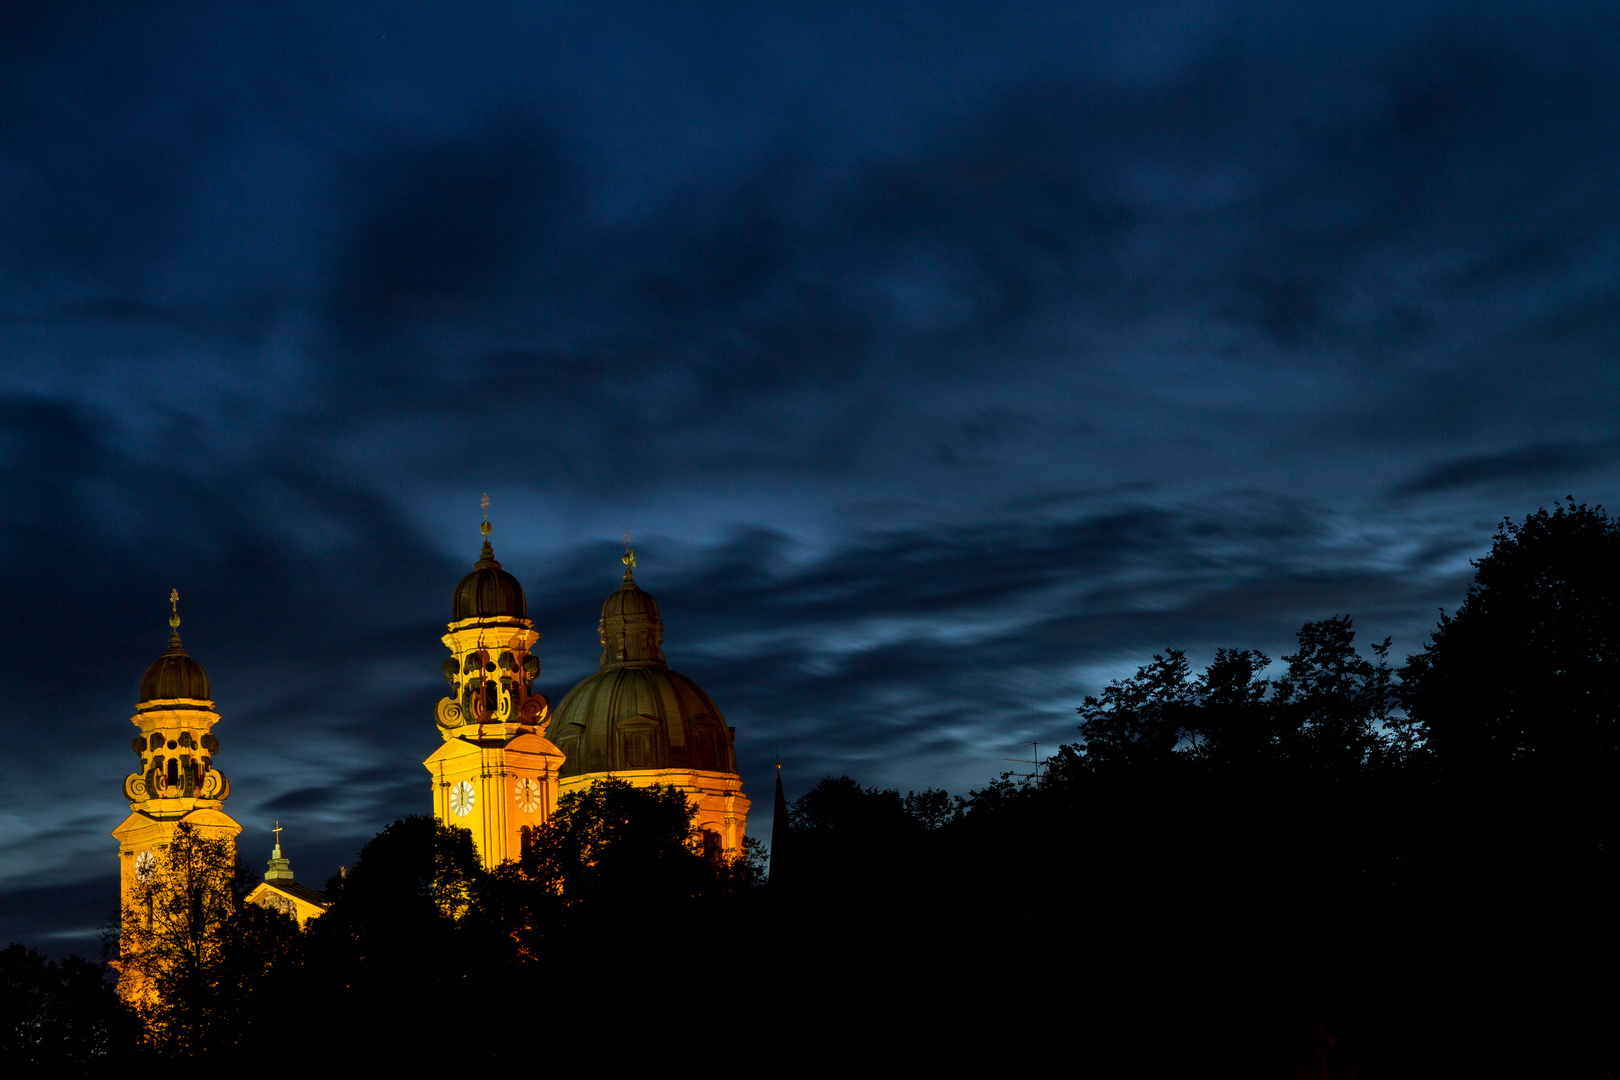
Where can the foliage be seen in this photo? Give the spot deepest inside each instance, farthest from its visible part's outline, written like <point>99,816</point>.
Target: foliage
<point>1142,720</point>
<point>1331,711</point>
<point>56,1016</point>
<point>1525,676</point>
<point>402,903</point>
<point>611,836</point>
<point>193,950</point>
<point>1332,703</point>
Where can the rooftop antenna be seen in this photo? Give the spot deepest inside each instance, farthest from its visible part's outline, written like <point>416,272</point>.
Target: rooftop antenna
<point>1036,775</point>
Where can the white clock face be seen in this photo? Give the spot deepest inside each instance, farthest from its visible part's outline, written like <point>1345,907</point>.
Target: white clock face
<point>462,799</point>
<point>528,795</point>
<point>145,866</point>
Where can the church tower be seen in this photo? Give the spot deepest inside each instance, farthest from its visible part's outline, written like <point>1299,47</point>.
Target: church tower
<point>495,774</point>
<point>175,781</point>
<point>638,721</point>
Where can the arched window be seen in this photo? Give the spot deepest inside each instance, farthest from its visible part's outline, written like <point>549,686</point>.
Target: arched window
<point>711,845</point>
<point>174,772</point>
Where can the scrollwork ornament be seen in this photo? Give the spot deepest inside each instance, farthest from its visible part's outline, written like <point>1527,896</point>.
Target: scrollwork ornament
<point>135,789</point>
<point>450,714</point>
<point>536,712</point>
<point>213,785</point>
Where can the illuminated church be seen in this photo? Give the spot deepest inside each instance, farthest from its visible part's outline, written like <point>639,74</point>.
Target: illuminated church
<point>504,758</point>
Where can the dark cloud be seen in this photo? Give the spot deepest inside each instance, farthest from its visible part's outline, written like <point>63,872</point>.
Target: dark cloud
<point>944,364</point>
<point>1546,461</point>
<point>441,227</point>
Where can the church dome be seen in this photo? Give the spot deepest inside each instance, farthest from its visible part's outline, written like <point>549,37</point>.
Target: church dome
<point>635,713</point>
<point>640,717</point>
<point>174,674</point>
<point>488,592</point>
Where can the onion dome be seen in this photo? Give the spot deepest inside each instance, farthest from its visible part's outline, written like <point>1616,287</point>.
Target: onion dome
<point>635,713</point>
<point>488,592</point>
<point>174,674</point>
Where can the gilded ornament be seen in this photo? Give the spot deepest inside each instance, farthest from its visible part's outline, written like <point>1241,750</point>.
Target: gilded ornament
<point>449,713</point>
<point>214,785</point>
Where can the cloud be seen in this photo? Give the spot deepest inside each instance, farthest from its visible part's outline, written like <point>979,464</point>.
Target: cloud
<point>945,365</point>
<point>1540,462</point>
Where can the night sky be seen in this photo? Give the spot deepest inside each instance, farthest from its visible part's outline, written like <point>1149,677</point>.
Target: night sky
<point>945,362</point>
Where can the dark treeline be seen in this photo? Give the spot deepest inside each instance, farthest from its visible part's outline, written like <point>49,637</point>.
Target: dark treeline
<point>1330,866</point>
<point>1345,866</point>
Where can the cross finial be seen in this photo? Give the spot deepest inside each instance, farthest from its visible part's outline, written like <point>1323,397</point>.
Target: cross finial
<point>629,559</point>
<point>484,504</point>
<point>277,831</point>
<point>174,608</point>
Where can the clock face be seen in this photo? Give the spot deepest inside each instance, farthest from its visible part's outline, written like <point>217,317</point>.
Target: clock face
<point>462,799</point>
<point>145,866</point>
<point>528,795</point>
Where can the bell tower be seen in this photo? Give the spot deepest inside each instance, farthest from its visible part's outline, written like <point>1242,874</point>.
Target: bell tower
<point>175,781</point>
<point>496,773</point>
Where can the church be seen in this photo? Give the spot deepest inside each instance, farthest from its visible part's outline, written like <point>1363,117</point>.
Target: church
<point>504,756</point>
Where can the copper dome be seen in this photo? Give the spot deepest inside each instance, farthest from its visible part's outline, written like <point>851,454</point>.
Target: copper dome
<point>174,675</point>
<point>640,716</point>
<point>488,592</point>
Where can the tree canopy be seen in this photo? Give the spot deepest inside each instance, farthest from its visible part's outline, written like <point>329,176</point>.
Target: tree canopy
<point>1330,712</point>
<point>1525,675</point>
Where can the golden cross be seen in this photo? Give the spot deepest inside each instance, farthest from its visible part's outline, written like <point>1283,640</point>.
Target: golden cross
<point>277,831</point>
<point>484,502</point>
<point>629,552</point>
<point>174,600</point>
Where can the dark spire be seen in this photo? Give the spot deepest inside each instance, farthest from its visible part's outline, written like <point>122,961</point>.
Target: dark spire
<point>779,825</point>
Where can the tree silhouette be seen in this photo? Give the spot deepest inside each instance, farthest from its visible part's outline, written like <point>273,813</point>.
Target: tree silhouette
<point>59,1017</point>
<point>194,953</point>
<point>1141,721</point>
<point>1332,703</point>
<point>1525,677</point>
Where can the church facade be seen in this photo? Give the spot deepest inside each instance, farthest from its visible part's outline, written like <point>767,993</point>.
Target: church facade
<point>504,757</point>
